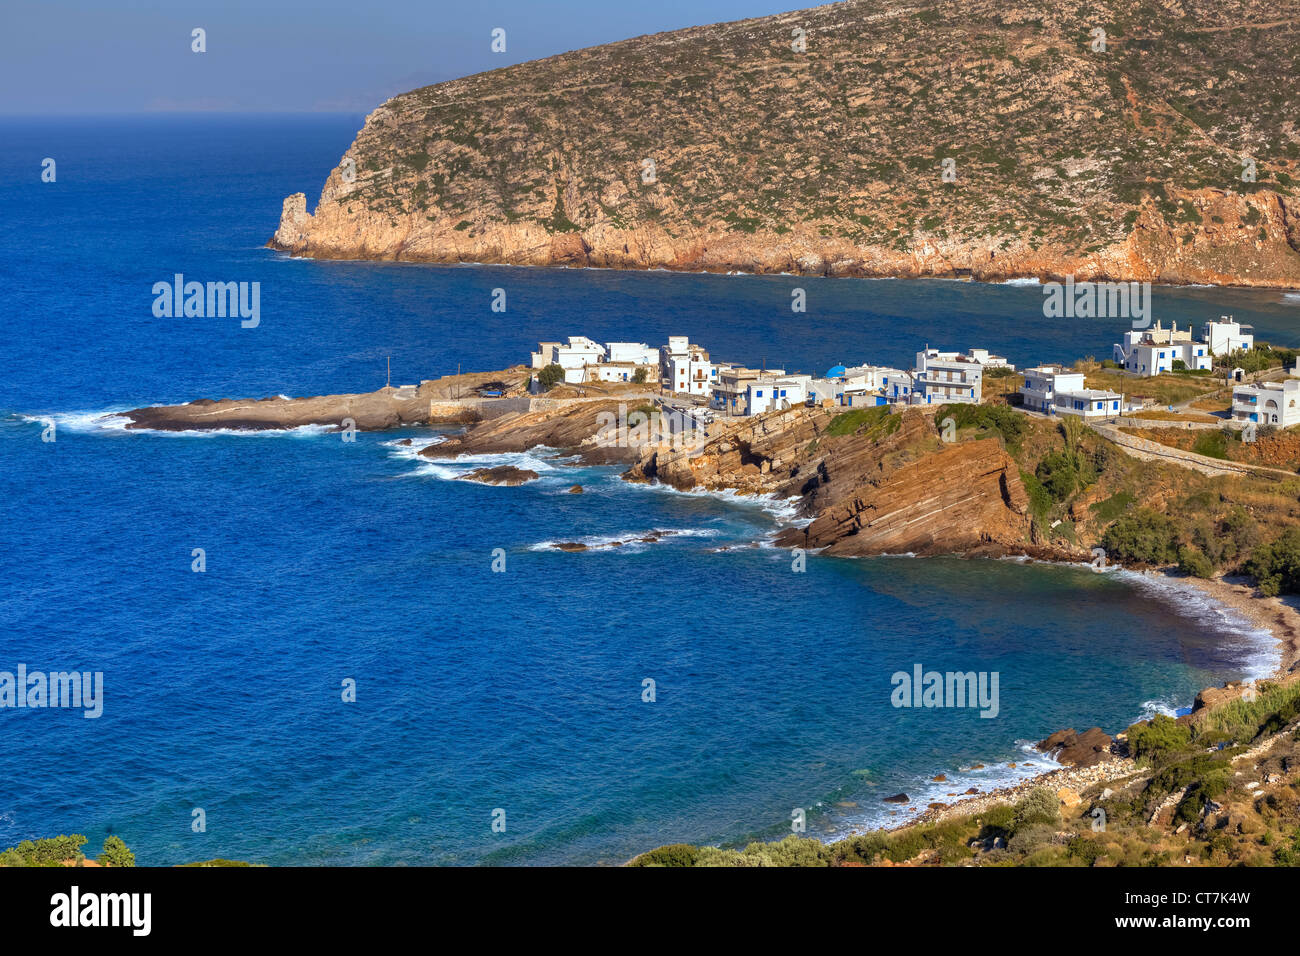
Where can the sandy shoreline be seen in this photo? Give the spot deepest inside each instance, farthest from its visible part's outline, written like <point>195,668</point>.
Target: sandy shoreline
<point>1274,615</point>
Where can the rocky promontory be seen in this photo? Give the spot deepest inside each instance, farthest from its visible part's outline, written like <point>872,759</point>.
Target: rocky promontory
<point>447,400</point>
<point>1108,140</point>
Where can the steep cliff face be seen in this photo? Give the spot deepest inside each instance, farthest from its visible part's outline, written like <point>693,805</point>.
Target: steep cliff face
<point>965,497</point>
<point>888,485</point>
<point>978,138</point>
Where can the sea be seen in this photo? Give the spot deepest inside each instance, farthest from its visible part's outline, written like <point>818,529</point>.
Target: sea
<point>319,652</point>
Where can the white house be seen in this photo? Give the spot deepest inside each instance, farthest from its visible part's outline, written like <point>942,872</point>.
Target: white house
<point>638,353</point>
<point>545,354</point>
<point>1269,403</point>
<point>983,357</point>
<point>1227,335</point>
<point>730,392</point>
<point>692,374</point>
<point>1053,390</point>
<point>1042,383</point>
<point>621,372</point>
<point>899,389</point>
<point>862,382</point>
<point>1155,350</point>
<point>769,392</point>
<point>944,378</point>
<point>824,390</point>
<point>1089,403</point>
<point>573,356</point>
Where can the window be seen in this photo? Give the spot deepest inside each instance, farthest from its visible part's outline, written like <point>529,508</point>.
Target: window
<point>759,393</point>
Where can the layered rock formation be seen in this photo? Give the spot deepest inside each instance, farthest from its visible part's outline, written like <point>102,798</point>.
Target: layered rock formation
<point>571,428</point>
<point>965,497</point>
<point>978,138</point>
<point>888,485</point>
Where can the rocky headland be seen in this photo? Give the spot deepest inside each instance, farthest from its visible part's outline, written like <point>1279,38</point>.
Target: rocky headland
<point>451,399</point>
<point>980,139</point>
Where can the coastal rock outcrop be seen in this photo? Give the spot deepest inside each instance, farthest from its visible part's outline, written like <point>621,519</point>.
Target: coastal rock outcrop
<point>963,497</point>
<point>446,400</point>
<point>501,475</point>
<point>577,427</point>
<point>1073,749</point>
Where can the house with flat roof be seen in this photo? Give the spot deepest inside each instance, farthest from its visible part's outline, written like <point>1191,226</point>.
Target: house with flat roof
<point>1053,390</point>
<point>770,392</point>
<point>730,393</point>
<point>1268,403</point>
<point>946,378</point>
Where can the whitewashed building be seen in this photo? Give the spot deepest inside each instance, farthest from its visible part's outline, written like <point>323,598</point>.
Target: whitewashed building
<point>864,384</point>
<point>1052,390</point>
<point>638,353</point>
<point>573,356</point>
<point>1269,403</point>
<point>731,391</point>
<point>1226,335</point>
<point>769,392</point>
<point>621,372</point>
<point>1155,350</point>
<point>984,358</point>
<point>946,378</point>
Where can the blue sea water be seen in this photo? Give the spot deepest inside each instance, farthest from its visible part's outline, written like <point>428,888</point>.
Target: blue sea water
<point>478,691</point>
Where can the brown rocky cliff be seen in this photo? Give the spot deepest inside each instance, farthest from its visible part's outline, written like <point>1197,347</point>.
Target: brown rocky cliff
<point>964,497</point>
<point>759,455</point>
<point>1122,164</point>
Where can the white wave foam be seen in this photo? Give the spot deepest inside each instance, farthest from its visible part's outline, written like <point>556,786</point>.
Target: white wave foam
<point>1024,280</point>
<point>1254,647</point>
<point>993,775</point>
<point>113,420</point>
<point>784,510</point>
<point>631,541</point>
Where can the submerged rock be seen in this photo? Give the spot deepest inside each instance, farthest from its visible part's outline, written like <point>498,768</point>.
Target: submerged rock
<point>501,475</point>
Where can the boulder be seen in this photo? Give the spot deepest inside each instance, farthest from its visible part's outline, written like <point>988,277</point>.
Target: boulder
<point>1073,749</point>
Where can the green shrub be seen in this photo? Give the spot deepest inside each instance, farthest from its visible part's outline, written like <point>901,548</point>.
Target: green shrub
<point>115,853</point>
<point>47,851</point>
<point>1011,425</point>
<point>1276,566</point>
<point>1192,561</point>
<point>1143,536</point>
<point>675,854</point>
<point>550,376</point>
<point>1158,738</point>
<point>1040,502</point>
<point>1058,474</point>
<point>1039,806</point>
<point>1085,850</point>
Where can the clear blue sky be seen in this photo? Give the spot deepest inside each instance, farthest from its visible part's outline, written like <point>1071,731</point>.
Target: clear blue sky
<point>124,56</point>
